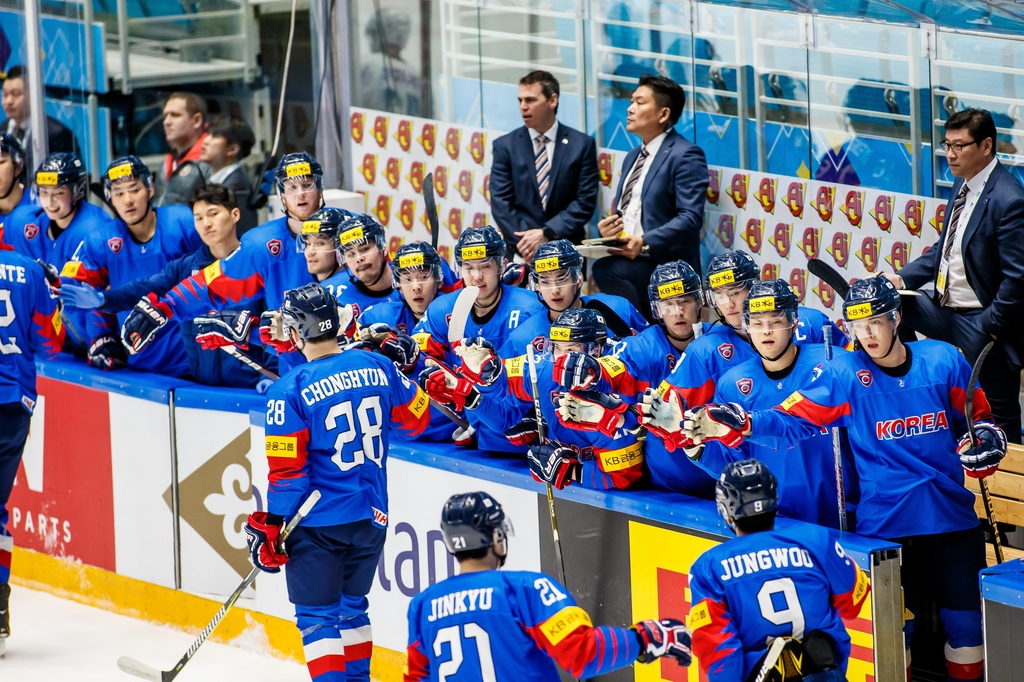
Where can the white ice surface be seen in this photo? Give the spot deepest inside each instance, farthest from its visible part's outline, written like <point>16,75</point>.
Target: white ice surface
<point>56,640</point>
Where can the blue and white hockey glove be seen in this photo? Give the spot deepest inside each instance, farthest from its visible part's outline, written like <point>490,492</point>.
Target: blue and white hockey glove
<point>668,637</point>
<point>107,353</point>
<point>261,535</point>
<point>554,464</point>
<point>480,362</point>
<point>983,459</point>
<point>148,316</point>
<point>81,296</point>
<point>591,411</point>
<point>724,423</point>
<point>576,370</point>
<point>219,329</point>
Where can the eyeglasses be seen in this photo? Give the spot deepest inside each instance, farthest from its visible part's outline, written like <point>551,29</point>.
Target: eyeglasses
<point>954,147</point>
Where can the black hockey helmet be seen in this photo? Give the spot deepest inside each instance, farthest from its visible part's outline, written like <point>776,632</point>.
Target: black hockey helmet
<point>671,280</point>
<point>326,221</point>
<point>773,295</point>
<point>746,488</point>
<point>63,169</point>
<point>298,165</point>
<point>126,167</point>
<point>12,147</point>
<point>732,267</point>
<point>360,229</point>
<point>416,256</point>
<point>870,297</point>
<point>472,521</point>
<point>580,325</point>
<point>478,243</point>
<point>311,311</point>
<point>552,257</point>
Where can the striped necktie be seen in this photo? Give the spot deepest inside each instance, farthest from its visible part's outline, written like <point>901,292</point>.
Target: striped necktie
<point>543,166</point>
<point>947,248</point>
<point>634,177</point>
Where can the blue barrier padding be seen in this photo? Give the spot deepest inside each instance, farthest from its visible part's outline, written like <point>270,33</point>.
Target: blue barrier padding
<point>1004,583</point>
<point>222,398</point>
<point>153,387</point>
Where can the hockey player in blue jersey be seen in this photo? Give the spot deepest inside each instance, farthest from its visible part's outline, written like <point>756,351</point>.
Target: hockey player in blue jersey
<point>556,275</point>
<point>268,263</point>
<point>136,246</point>
<point>500,626</point>
<point>794,585</point>
<point>30,327</point>
<point>498,311</point>
<point>54,231</point>
<point>13,192</point>
<point>365,277</point>
<point>329,423</point>
<point>904,406</point>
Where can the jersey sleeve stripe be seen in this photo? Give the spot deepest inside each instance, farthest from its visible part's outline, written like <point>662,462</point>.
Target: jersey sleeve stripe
<point>715,638</point>
<point>958,398</point>
<point>819,415</point>
<point>51,331</point>
<point>417,665</point>
<point>413,417</point>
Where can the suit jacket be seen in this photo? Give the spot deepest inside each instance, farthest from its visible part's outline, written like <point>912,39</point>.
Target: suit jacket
<point>673,198</point>
<point>239,182</point>
<point>59,138</point>
<point>993,253</point>
<point>515,200</point>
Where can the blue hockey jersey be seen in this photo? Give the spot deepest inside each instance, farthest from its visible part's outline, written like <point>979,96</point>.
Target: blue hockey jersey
<point>350,291</point>
<point>766,585</point>
<point>30,324</point>
<point>903,432</point>
<point>26,200</point>
<point>508,625</point>
<point>329,423</point>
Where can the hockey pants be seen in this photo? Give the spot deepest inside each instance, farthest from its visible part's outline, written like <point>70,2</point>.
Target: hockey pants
<point>14,422</point>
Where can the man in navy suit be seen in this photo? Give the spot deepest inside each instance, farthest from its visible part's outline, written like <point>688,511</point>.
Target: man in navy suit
<point>977,266</point>
<point>544,175</point>
<point>659,206</point>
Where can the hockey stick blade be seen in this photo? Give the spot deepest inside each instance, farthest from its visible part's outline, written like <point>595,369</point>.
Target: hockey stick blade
<point>616,325</point>
<point>236,353</point>
<point>139,669</point>
<point>460,314</point>
<point>830,276</point>
<point>431,208</point>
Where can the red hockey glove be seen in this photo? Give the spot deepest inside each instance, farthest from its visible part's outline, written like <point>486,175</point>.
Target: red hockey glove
<point>480,362</point>
<point>107,353</point>
<point>664,418</point>
<point>576,370</point>
<point>219,329</point>
<point>465,437</point>
<point>272,332</point>
<point>525,432</point>
<point>147,318</point>
<point>724,423</point>
<point>591,411</point>
<point>668,637</point>
<point>553,464</point>
<point>261,536</point>
<point>983,459</point>
<point>448,388</point>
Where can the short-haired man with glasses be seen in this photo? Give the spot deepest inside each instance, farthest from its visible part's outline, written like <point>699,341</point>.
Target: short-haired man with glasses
<point>976,266</point>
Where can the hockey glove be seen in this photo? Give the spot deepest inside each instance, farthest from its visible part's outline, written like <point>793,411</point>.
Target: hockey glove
<point>261,535</point>
<point>272,332</point>
<point>465,437</point>
<point>480,362</point>
<point>263,385</point>
<point>219,329</point>
<point>374,334</point>
<point>525,432</point>
<point>591,411</point>
<point>147,318</point>
<point>514,275</point>
<point>448,388</point>
<point>576,370</point>
<point>664,417</point>
<point>106,353</point>
<point>402,350</point>
<point>554,464</point>
<point>81,296</point>
<point>983,459</point>
<point>724,423</point>
<point>668,637</point>
<point>52,277</point>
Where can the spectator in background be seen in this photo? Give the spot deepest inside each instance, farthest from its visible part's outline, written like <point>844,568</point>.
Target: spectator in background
<point>15,103</point>
<point>659,206</point>
<point>977,266</point>
<point>544,176</point>
<point>228,141</point>
<point>387,81</point>
<point>185,130</point>
<point>12,178</point>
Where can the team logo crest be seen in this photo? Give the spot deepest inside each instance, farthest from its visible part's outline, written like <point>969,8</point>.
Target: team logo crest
<point>839,249</point>
<point>824,201</point>
<point>738,189</point>
<point>451,142</point>
<point>726,229</point>
<point>480,220</point>
<point>393,172</point>
<point>825,294</point>
<point>765,194</point>
<point>726,351</point>
<point>865,377</point>
<point>356,123</point>
<point>853,207</point>
<point>899,255</point>
<point>274,247</point>
<point>671,359</point>
<point>407,213</point>
<point>753,234</point>
<point>380,130</point>
<point>31,230</point>
<point>369,168</point>
<point>428,138</point>
<point>882,212</point>
<point>714,186</point>
<point>454,222</point>
<point>781,239</point>
<point>795,198</point>
<point>605,168</point>
<point>382,209</point>
<point>115,244</point>
<point>477,147</point>
<point>415,177</point>
<point>538,343</point>
<point>810,242</point>
<point>868,253</point>
<point>404,134</point>
<point>465,185</point>
<point>485,189</point>
<point>939,218</point>
<point>769,271</point>
<point>913,217</point>
<point>441,181</point>
<point>745,386</point>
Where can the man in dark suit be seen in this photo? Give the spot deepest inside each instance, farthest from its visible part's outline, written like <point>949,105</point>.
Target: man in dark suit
<point>544,175</point>
<point>977,266</point>
<point>15,105</point>
<point>659,206</point>
<point>228,141</point>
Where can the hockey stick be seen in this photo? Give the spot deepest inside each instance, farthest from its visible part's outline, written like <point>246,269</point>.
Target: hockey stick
<point>140,669</point>
<point>836,446</point>
<point>431,208</point>
<point>540,436</point>
<point>237,354</point>
<point>969,409</point>
<point>832,277</point>
<point>461,311</point>
<point>771,658</point>
<point>616,325</point>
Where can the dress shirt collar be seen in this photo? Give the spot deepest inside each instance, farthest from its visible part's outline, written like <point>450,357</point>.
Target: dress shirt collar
<point>550,133</point>
<point>977,183</point>
<point>654,145</point>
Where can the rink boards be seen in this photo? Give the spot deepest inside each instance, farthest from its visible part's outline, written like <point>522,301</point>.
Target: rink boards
<point>147,480</point>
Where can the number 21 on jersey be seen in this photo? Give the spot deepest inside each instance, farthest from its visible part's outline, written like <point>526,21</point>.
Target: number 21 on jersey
<point>454,639</point>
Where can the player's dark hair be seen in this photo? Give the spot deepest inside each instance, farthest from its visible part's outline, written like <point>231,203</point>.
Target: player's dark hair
<point>667,94</point>
<point>235,130</point>
<point>755,524</point>
<point>978,123</point>
<point>194,104</point>
<point>16,71</point>
<point>219,195</point>
<point>323,337</point>
<point>472,554</point>
<point>548,83</point>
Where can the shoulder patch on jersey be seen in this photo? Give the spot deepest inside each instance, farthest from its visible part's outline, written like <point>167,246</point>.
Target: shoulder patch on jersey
<point>663,388</point>
<point>614,366</point>
<point>792,400</point>
<point>274,247</point>
<point>745,386</point>
<point>31,230</point>
<point>282,446</point>
<point>617,460</point>
<point>115,244</point>
<point>419,403</point>
<point>726,350</point>
<point>564,623</point>
<point>865,377</point>
<point>71,269</point>
<point>514,366</point>
<point>700,616</point>
<point>421,339</point>
<point>212,271</point>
